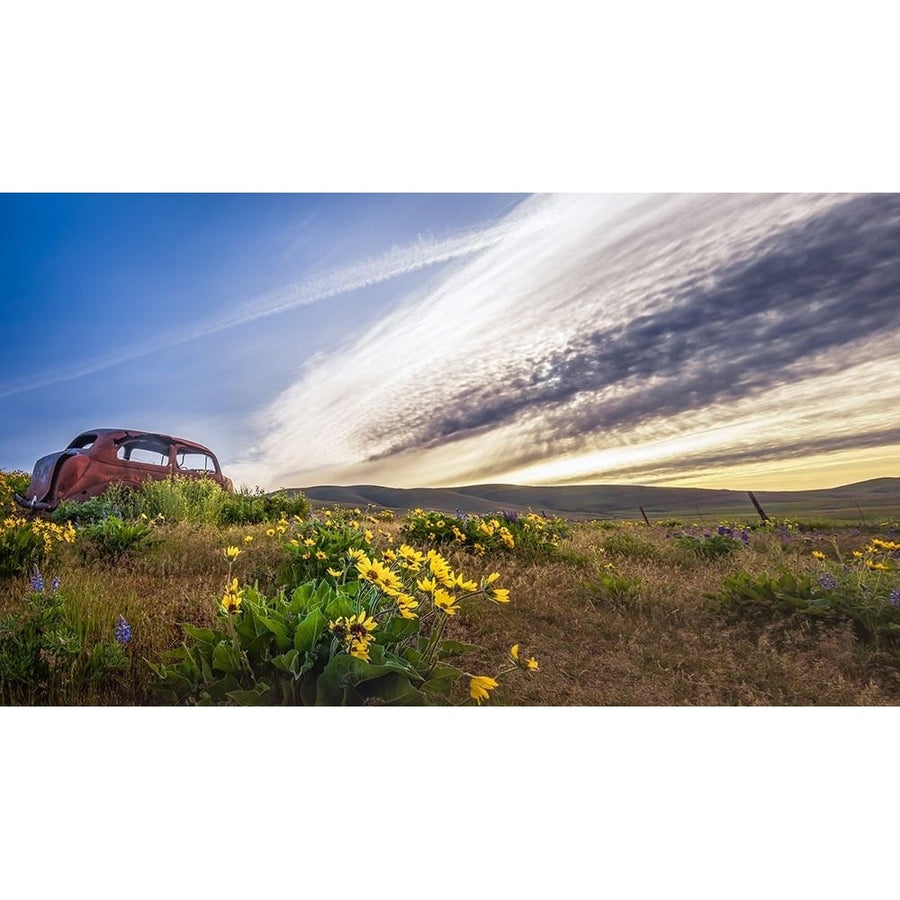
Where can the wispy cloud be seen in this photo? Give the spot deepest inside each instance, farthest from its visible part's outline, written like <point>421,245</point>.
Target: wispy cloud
<point>606,337</point>
<point>393,263</point>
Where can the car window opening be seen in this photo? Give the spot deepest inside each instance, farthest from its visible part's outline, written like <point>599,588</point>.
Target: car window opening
<point>144,450</point>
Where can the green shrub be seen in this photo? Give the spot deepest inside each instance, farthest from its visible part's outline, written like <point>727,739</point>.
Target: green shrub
<point>246,507</point>
<point>12,483</point>
<point>618,589</point>
<point>117,500</point>
<point>869,604</point>
<point>528,534</point>
<point>628,546</point>
<point>26,542</point>
<point>112,538</point>
<point>312,548</point>
<point>709,546</point>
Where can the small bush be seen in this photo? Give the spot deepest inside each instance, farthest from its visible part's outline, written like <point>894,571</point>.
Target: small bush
<point>112,539</point>
<point>708,546</point>
<point>618,589</point>
<point>117,500</point>
<point>872,606</point>
<point>629,546</point>
<point>246,507</point>
<point>25,543</point>
<point>12,483</point>
<point>505,532</point>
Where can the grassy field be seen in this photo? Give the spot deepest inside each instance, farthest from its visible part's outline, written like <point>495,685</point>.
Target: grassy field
<point>610,613</point>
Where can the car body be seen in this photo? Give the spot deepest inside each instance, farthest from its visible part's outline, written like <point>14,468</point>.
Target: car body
<point>103,456</point>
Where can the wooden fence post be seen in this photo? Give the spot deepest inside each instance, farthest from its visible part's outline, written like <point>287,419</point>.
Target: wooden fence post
<point>759,509</point>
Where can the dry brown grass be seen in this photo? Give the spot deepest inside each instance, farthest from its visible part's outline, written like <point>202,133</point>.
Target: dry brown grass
<point>666,645</point>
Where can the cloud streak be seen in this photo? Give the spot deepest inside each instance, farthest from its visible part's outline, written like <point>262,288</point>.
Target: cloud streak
<point>605,337</point>
<point>397,261</point>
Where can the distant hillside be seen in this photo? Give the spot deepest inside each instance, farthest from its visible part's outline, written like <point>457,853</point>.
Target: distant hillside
<point>875,499</point>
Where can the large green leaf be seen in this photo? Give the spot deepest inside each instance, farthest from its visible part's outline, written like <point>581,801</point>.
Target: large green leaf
<point>258,696</point>
<point>396,630</point>
<point>226,659</point>
<point>282,639</point>
<point>288,662</point>
<point>393,689</point>
<point>202,635</point>
<point>300,598</point>
<point>308,631</point>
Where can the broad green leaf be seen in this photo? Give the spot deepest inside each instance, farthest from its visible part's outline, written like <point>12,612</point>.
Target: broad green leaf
<point>287,662</point>
<point>309,631</point>
<point>204,635</point>
<point>258,696</point>
<point>226,659</point>
<point>282,639</point>
<point>393,689</point>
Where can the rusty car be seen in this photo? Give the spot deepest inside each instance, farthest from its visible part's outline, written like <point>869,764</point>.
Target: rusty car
<point>103,456</point>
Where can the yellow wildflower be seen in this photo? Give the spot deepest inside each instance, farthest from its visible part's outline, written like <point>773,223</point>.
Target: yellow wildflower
<point>232,553</point>
<point>270,532</point>
<point>818,554</point>
<point>232,598</point>
<point>480,686</point>
<point>444,602</point>
<point>335,573</point>
<point>406,603</point>
<point>491,579</point>
<point>464,585</point>
<point>501,595</point>
<point>369,536</point>
<point>321,555</point>
<point>426,584</point>
<point>248,538</point>
<point>514,652</point>
<point>531,664</point>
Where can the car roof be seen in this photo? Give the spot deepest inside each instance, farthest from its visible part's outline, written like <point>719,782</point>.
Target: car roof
<point>122,433</point>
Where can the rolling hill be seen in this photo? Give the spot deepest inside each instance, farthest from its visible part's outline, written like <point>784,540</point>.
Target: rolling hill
<point>878,498</point>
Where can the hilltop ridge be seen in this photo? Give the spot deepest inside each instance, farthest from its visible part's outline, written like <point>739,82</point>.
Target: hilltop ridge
<point>876,498</point>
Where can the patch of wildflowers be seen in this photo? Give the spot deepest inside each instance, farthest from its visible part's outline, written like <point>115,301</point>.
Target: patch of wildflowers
<point>122,631</point>
<point>37,581</point>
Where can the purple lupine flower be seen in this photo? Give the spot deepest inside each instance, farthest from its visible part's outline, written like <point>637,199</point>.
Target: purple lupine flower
<point>123,631</point>
<point>37,581</point>
<point>828,582</point>
<point>745,537</point>
<point>54,584</point>
<point>895,597</point>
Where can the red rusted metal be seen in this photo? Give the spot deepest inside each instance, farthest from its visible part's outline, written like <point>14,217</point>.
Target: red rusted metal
<point>104,456</point>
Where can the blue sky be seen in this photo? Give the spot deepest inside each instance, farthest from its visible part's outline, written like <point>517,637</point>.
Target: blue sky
<point>409,339</point>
